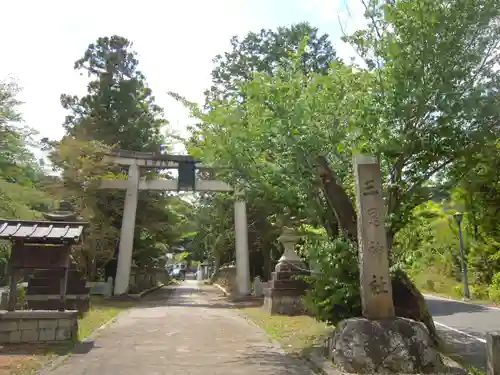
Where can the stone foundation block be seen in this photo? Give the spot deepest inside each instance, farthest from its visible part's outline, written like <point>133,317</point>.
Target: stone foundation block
<point>284,305</point>
<point>4,336</point>
<point>392,346</point>
<point>9,326</point>
<point>48,323</point>
<point>38,326</point>
<point>14,337</point>
<point>64,323</point>
<point>62,334</point>
<point>47,334</point>
<point>29,335</point>
<point>28,324</point>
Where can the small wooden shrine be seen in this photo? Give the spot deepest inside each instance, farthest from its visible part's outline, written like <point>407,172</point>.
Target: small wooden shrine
<point>43,245</point>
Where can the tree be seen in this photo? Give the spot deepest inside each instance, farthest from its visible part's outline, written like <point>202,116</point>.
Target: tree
<point>17,163</point>
<point>437,99</point>
<point>117,111</point>
<point>119,108</point>
<point>257,52</point>
<point>82,169</point>
<point>19,171</point>
<point>426,101</point>
<point>264,52</point>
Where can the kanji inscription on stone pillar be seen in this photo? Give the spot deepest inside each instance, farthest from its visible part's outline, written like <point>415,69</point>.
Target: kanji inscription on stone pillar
<point>376,290</point>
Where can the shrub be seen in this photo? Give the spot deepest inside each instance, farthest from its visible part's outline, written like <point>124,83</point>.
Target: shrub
<point>479,291</point>
<point>334,293</point>
<point>458,290</point>
<point>494,288</point>
<point>21,303</point>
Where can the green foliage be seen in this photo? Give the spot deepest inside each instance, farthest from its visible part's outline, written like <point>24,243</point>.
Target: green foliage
<point>425,104</point>
<point>17,164</point>
<point>494,289</point>
<point>256,52</point>
<point>263,52</point>
<point>117,111</point>
<point>479,292</point>
<point>428,240</point>
<point>19,172</point>
<point>119,108</point>
<point>334,295</point>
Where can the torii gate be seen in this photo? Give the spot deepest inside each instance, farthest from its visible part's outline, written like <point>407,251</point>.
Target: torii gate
<point>186,181</point>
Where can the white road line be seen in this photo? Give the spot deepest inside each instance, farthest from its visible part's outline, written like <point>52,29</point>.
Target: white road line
<point>431,296</point>
<point>461,332</point>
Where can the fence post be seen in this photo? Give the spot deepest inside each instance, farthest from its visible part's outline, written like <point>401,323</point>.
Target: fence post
<point>493,354</point>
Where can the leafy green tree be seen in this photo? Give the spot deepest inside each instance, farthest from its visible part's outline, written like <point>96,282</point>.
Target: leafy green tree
<point>118,111</point>
<point>264,52</point>
<point>119,108</point>
<point>17,162</point>
<point>19,171</point>
<point>426,100</point>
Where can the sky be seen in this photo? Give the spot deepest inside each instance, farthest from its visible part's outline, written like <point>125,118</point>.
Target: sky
<point>175,41</point>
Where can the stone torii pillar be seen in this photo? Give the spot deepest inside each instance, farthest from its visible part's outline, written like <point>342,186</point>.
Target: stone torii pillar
<point>127,231</point>
<point>241,239</point>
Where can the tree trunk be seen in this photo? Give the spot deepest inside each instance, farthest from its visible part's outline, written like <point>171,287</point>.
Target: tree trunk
<point>266,268</point>
<point>337,200</point>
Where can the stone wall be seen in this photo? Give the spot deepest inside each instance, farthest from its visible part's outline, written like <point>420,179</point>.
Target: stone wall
<point>226,277</point>
<point>145,278</point>
<point>38,326</point>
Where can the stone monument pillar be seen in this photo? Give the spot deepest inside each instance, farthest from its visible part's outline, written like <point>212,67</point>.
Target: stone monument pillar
<point>378,342</point>
<point>286,289</point>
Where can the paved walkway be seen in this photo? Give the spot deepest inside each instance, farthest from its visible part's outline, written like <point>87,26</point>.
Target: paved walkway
<point>193,332</point>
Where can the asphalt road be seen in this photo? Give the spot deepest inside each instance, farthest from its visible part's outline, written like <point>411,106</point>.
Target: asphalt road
<point>464,326</point>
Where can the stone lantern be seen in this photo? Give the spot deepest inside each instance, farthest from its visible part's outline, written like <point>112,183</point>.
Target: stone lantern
<point>290,260</point>
<point>286,288</point>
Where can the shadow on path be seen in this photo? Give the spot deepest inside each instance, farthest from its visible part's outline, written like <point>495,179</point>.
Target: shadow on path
<point>183,298</point>
<point>282,363</point>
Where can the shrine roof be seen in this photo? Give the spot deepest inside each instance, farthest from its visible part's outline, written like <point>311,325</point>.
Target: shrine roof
<point>51,232</point>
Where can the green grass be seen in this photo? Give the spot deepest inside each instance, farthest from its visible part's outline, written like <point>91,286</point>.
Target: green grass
<point>296,334</point>
<point>439,285</point>
<point>101,311</point>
